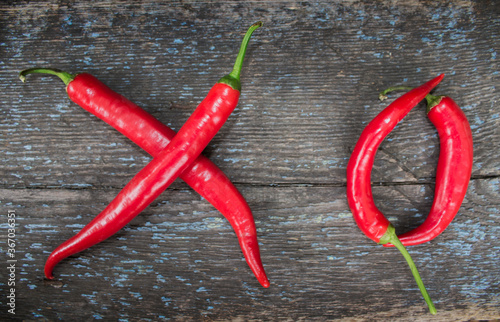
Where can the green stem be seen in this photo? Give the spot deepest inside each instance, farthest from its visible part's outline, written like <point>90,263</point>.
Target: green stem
<point>233,78</point>
<point>65,77</point>
<point>391,237</point>
<point>383,95</point>
<point>432,100</point>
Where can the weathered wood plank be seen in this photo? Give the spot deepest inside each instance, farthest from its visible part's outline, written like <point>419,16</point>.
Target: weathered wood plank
<point>181,258</point>
<point>303,103</point>
<point>310,84</point>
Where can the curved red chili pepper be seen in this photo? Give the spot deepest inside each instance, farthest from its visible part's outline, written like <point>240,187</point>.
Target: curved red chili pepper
<point>153,136</point>
<point>359,193</point>
<point>369,219</point>
<point>453,170</point>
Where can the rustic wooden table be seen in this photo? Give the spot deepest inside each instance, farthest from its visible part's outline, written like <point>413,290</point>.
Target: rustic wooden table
<point>310,84</point>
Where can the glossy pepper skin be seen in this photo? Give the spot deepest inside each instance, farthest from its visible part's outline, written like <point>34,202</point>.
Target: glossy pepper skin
<point>359,192</point>
<point>167,165</point>
<point>368,217</point>
<point>153,136</point>
<point>453,170</point>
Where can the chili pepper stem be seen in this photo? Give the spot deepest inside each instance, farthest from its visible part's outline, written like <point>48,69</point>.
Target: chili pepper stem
<point>391,237</point>
<point>383,95</point>
<point>433,100</point>
<point>64,76</point>
<point>233,78</point>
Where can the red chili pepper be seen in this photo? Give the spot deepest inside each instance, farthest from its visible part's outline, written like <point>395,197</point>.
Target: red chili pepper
<point>153,136</point>
<point>453,170</point>
<point>359,193</point>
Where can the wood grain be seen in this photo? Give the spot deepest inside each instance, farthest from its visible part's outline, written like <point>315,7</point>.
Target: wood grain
<point>310,84</point>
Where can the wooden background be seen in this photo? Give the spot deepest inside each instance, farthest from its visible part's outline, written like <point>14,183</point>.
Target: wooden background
<point>310,84</point>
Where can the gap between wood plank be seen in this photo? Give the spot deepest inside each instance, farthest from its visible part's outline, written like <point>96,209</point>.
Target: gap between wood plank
<point>270,185</point>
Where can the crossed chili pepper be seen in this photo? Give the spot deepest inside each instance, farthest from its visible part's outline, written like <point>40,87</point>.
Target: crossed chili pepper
<point>174,155</point>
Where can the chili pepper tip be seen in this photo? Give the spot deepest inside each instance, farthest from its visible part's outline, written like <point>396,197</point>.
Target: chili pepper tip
<point>383,95</point>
